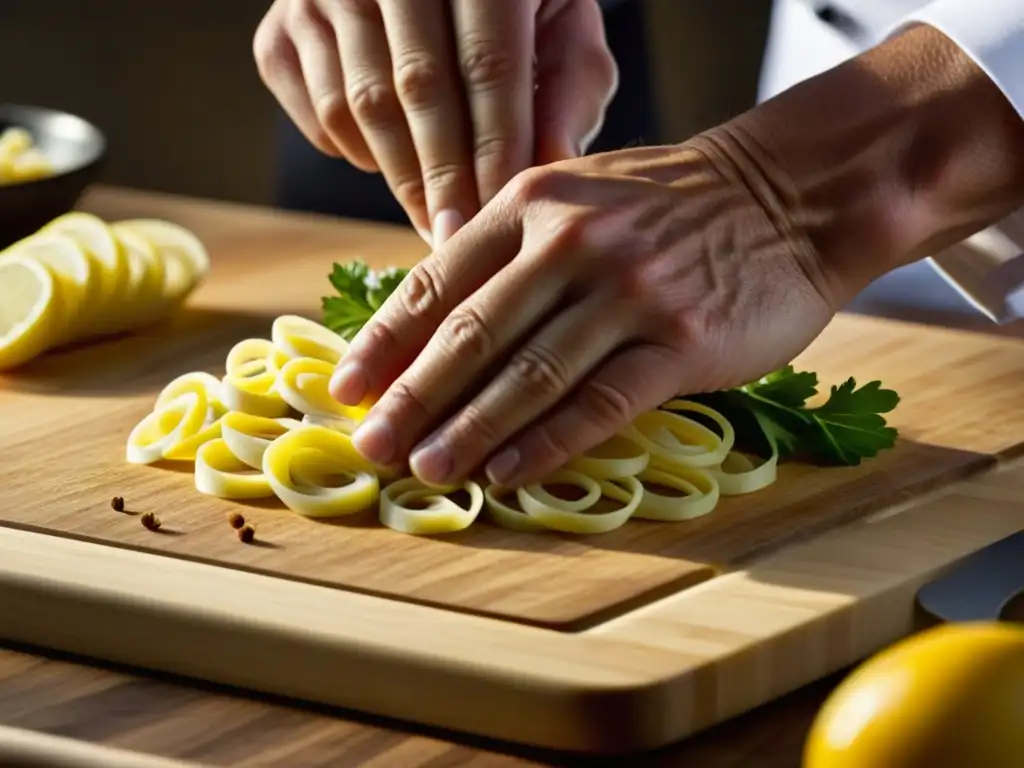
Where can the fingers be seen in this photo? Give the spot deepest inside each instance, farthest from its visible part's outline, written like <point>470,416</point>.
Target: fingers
<point>408,319</point>
<point>371,95</point>
<point>475,336</point>
<point>321,67</point>
<point>632,381</point>
<point>426,78</point>
<point>576,79</point>
<point>496,47</point>
<point>277,61</point>
<point>538,376</point>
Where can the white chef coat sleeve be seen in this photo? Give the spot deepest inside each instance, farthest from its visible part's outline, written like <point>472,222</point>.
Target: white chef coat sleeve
<point>988,268</point>
<point>989,31</point>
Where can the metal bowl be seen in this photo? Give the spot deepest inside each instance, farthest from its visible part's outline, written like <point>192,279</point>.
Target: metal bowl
<point>76,148</point>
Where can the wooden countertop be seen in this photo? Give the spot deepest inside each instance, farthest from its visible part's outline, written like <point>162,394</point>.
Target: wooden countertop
<point>205,726</point>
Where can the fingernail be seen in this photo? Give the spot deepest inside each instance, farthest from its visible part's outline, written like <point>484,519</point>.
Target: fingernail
<point>503,467</point>
<point>375,440</point>
<point>433,463</point>
<point>446,224</point>
<point>348,384</point>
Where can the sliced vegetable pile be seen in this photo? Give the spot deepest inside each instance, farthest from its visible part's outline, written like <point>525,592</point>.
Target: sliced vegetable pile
<point>19,159</point>
<point>269,428</point>
<point>78,279</point>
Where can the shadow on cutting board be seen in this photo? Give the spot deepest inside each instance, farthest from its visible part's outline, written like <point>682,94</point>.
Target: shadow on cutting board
<point>197,338</point>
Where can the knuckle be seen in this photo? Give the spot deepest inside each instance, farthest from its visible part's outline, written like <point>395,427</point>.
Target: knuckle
<point>485,64</point>
<point>540,371</point>
<point>411,192</point>
<point>300,12</point>
<point>465,335</point>
<point>406,403</point>
<point>553,447</point>
<point>529,186</point>
<point>691,330</point>
<point>493,153</point>
<point>476,427</point>
<point>447,176</point>
<point>372,101</point>
<point>417,80</point>
<point>420,293</point>
<point>270,49</point>
<point>603,67</point>
<point>606,405</point>
<point>332,110</point>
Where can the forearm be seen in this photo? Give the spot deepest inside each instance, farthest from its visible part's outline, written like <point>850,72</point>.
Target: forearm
<point>888,157</point>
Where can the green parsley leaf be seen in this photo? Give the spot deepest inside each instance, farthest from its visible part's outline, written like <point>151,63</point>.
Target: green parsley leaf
<point>361,292</point>
<point>845,429</point>
<point>849,425</point>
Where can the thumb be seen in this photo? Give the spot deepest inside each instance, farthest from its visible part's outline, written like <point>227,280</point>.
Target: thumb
<point>576,79</point>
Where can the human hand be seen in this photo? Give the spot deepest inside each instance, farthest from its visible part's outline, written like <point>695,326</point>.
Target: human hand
<point>584,294</point>
<point>449,99</point>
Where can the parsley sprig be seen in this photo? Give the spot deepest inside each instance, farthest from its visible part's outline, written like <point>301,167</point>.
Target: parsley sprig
<point>770,412</point>
<point>361,291</point>
<point>845,429</point>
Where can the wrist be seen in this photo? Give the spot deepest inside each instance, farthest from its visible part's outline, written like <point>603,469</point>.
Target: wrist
<point>888,157</point>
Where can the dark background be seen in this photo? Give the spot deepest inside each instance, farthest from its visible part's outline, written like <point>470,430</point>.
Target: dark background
<point>174,86</point>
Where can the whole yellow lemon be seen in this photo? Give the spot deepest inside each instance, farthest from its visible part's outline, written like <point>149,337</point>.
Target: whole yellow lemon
<point>951,697</point>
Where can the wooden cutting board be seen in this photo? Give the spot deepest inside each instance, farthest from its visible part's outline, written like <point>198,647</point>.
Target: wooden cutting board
<point>65,421</point>
<point>63,425</point>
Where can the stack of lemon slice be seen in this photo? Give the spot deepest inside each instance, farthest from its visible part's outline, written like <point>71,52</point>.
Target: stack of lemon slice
<point>78,279</point>
<point>269,427</point>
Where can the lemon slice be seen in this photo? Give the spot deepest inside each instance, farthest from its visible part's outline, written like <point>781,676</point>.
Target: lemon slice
<point>298,337</point>
<point>13,142</point>
<point>304,467</point>
<point>76,274</point>
<point>219,473</point>
<point>96,238</point>
<point>29,165</point>
<point>29,300</point>
<point>184,256</point>
<point>142,302</point>
<point>434,511</point>
<point>167,426</point>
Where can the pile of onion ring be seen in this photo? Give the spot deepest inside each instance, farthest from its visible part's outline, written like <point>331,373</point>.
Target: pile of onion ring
<point>269,428</point>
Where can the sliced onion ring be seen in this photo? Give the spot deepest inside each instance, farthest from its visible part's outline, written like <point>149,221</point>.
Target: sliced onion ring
<point>291,462</point>
<point>441,515</point>
<point>699,485</point>
<point>298,337</point>
<point>165,427</point>
<point>570,516</point>
<point>219,473</point>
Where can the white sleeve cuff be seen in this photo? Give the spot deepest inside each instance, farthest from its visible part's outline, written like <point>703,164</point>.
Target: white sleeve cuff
<point>989,31</point>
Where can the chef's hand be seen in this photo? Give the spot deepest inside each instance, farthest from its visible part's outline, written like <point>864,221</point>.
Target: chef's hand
<point>449,99</point>
<point>585,293</point>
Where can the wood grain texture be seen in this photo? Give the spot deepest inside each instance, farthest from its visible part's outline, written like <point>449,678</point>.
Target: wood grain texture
<point>639,682</point>
<point>644,679</point>
<point>142,713</point>
<point>70,414</point>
